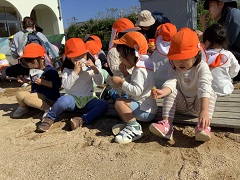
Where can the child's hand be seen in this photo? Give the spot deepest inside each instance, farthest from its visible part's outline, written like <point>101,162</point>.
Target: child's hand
<point>89,63</point>
<point>117,81</point>
<point>77,67</point>
<point>38,81</point>
<point>123,69</point>
<point>157,93</point>
<point>204,119</point>
<point>151,48</point>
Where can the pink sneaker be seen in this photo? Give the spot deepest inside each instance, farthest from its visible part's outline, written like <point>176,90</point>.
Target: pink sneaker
<point>202,134</point>
<point>162,129</point>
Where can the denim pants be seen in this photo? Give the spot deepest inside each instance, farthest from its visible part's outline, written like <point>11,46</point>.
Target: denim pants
<point>93,109</point>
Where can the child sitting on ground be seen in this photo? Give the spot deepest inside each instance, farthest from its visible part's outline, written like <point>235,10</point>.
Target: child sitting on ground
<point>222,63</point>
<point>77,80</point>
<point>132,48</point>
<point>188,89</point>
<point>45,83</point>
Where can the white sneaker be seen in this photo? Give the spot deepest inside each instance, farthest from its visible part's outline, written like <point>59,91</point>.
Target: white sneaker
<point>20,111</point>
<point>24,85</point>
<point>128,134</point>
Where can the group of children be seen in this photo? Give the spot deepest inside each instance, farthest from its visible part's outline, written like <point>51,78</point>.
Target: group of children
<point>189,87</point>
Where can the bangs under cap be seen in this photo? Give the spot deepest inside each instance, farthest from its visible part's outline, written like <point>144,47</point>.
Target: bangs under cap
<point>184,45</point>
<point>228,2</point>
<point>75,47</point>
<point>124,25</point>
<point>134,40</point>
<point>145,19</point>
<point>167,31</point>
<point>33,50</point>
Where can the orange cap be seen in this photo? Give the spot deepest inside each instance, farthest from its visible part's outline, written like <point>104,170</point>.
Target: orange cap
<point>75,47</point>
<point>97,40</point>
<point>184,45</point>
<point>93,46</point>
<point>166,30</point>
<point>134,40</point>
<point>124,25</point>
<point>33,50</point>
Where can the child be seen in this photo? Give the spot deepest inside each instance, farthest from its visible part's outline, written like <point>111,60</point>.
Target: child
<point>164,35</point>
<point>45,83</point>
<point>77,80</point>
<point>222,63</point>
<point>132,48</point>
<point>3,62</point>
<point>119,28</point>
<point>188,88</point>
<point>101,54</point>
<point>227,14</point>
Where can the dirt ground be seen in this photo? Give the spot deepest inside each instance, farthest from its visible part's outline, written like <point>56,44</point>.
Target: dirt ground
<point>90,153</point>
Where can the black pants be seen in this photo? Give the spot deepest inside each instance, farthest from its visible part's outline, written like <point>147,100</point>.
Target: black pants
<point>16,70</point>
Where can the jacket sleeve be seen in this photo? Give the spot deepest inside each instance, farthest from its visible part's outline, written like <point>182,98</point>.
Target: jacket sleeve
<point>136,86</point>
<point>171,82</point>
<point>113,62</point>
<point>234,66</point>
<point>68,78</point>
<point>232,26</point>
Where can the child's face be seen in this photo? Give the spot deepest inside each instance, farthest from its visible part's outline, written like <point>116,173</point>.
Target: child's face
<point>34,64</point>
<point>215,9</point>
<point>78,58</point>
<point>185,64</point>
<point>127,61</point>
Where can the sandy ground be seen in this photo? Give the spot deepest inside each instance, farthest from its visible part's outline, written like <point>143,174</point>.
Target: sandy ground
<point>90,153</point>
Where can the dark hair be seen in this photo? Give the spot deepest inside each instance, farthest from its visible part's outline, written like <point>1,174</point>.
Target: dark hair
<point>68,63</point>
<point>120,34</point>
<point>216,34</point>
<point>28,22</point>
<point>127,51</point>
<point>24,61</point>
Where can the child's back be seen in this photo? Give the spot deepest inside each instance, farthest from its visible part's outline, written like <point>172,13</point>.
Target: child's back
<point>222,63</point>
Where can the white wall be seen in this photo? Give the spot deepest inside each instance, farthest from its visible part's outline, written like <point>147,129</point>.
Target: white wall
<point>47,13</point>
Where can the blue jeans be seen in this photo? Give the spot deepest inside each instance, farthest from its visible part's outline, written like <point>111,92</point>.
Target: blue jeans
<point>93,109</point>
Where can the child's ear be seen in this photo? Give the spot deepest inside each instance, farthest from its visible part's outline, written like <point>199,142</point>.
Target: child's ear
<point>221,4</point>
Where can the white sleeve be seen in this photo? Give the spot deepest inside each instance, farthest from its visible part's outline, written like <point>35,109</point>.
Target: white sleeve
<point>68,78</point>
<point>234,66</point>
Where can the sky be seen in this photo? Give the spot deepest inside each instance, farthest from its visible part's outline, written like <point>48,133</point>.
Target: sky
<point>84,10</point>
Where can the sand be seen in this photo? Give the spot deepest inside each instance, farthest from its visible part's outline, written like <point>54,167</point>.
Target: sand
<point>90,152</point>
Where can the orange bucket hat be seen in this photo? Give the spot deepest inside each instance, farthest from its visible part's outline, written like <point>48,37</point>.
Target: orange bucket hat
<point>75,47</point>
<point>33,50</point>
<point>134,40</point>
<point>93,47</point>
<point>184,45</point>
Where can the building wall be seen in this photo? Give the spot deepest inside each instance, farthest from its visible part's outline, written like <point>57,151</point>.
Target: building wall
<point>182,13</point>
<point>47,13</point>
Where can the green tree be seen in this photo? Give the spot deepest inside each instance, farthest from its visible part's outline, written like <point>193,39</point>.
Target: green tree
<point>101,25</point>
